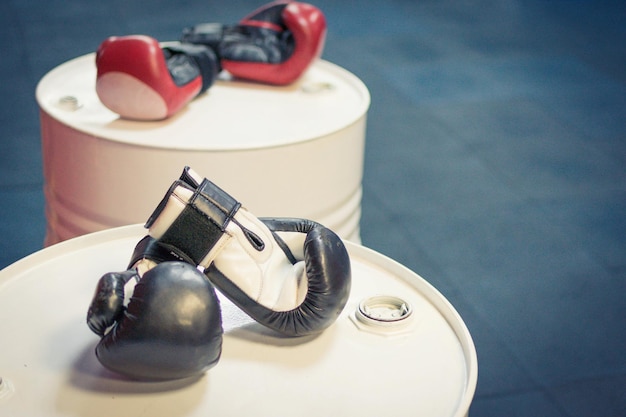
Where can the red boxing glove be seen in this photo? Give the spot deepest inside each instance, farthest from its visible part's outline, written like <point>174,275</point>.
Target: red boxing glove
<point>139,79</point>
<point>274,44</point>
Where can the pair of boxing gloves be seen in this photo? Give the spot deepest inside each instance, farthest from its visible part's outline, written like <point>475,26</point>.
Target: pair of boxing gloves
<point>290,275</point>
<point>140,79</point>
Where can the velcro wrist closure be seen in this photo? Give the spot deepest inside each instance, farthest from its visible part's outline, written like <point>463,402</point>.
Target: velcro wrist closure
<point>192,221</point>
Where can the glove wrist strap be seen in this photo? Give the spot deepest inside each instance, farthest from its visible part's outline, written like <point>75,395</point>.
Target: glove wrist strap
<point>187,61</point>
<point>192,220</point>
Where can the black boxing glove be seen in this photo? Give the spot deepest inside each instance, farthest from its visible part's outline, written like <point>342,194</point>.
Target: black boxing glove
<point>291,275</point>
<point>171,328</point>
<point>107,305</point>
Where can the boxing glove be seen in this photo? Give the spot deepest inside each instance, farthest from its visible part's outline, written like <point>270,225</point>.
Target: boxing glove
<point>170,329</point>
<point>139,79</point>
<point>291,275</point>
<point>108,301</point>
<point>274,44</point>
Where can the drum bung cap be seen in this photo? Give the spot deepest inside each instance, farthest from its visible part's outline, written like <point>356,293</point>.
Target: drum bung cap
<point>384,314</point>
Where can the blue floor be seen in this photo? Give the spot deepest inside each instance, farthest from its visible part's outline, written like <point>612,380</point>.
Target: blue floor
<point>495,166</point>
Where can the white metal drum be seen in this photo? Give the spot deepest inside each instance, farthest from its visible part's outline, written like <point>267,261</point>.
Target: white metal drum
<point>417,359</point>
<point>282,151</point>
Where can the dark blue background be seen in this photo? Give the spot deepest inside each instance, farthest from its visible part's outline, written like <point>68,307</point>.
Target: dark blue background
<point>495,166</point>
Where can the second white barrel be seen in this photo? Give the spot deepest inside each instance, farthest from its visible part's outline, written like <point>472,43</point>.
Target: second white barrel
<point>281,151</point>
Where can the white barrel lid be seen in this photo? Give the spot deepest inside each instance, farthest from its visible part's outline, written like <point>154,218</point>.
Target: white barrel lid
<point>231,115</point>
<point>423,367</point>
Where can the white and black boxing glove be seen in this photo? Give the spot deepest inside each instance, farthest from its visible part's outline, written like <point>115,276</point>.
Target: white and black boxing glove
<point>170,329</point>
<point>291,275</point>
